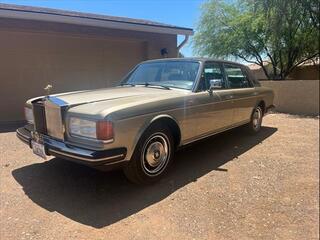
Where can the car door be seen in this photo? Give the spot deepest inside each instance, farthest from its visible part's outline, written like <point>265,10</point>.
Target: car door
<point>214,108</point>
<point>243,92</point>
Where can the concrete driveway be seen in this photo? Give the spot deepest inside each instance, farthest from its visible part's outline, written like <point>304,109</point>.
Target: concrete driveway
<point>231,186</point>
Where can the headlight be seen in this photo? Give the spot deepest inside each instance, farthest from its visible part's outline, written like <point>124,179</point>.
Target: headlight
<point>101,130</point>
<point>82,127</point>
<point>28,113</point>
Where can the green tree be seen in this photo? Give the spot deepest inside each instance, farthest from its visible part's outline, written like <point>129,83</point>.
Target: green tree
<point>282,32</point>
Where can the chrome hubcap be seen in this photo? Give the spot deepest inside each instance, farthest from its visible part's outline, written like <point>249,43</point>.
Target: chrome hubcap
<point>155,154</point>
<point>256,118</point>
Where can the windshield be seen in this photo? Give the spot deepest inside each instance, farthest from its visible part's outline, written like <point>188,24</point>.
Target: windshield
<point>175,74</point>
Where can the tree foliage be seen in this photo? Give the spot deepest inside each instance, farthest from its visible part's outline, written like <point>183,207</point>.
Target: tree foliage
<point>282,32</point>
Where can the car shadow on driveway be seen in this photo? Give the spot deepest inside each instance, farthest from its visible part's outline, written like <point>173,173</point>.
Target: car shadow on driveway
<point>99,199</point>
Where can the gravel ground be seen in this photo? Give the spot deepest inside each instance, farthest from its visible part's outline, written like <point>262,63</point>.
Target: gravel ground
<point>231,186</point>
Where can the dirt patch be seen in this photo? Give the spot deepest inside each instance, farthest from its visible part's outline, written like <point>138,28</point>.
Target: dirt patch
<point>231,186</point>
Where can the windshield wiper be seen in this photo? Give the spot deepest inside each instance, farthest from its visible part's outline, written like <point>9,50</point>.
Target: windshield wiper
<point>127,84</point>
<point>155,85</point>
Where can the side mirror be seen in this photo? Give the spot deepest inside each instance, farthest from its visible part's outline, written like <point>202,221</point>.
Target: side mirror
<point>215,84</point>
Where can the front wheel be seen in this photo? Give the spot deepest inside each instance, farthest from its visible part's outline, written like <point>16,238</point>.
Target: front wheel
<point>152,156</point>
<point>255,123</point>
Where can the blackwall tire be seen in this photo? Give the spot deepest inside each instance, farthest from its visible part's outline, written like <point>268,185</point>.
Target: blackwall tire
<point>152,156</point>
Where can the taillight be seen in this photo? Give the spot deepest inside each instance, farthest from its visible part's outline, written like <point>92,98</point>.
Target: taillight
<point>104,130</point>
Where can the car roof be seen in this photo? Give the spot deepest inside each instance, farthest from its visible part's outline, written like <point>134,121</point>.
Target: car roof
<point>192,59</point>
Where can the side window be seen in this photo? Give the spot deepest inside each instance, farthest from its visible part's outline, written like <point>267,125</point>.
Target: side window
<point>236,77</point>
<point>211,71</point>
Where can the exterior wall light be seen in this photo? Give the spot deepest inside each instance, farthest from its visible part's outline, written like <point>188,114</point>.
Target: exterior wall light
<point>164,52</point>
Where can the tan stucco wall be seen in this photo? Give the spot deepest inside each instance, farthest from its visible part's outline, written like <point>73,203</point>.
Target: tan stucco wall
<point>32,59</point>
<point>296,96</point>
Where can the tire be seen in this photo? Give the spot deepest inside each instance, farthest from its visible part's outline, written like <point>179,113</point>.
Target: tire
<point>255,123</point>
<point>152,155</point>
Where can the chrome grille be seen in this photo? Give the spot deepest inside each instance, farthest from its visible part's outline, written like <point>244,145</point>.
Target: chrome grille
<point>39,117</point>
<point>54,122</point>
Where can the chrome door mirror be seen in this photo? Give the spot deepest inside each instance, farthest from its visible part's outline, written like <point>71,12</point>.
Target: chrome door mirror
<point>215,84</point>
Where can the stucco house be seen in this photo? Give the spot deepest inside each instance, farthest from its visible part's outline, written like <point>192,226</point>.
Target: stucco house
<point>307,71</point>
<point>72,51</point>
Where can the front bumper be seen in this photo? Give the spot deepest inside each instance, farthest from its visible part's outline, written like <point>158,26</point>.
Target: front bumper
<point>66,151</point>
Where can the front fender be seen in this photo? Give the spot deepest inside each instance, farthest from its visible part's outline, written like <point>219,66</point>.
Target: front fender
<point>148,123</point>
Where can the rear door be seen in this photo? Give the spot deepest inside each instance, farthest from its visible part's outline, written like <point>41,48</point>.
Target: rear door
<point>243,92</point>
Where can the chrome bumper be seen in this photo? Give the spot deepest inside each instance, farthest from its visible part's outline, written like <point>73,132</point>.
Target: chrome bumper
<point>62,150</point>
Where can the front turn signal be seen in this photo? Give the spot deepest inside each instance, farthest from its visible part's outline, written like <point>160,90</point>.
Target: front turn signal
<point>104,130</point>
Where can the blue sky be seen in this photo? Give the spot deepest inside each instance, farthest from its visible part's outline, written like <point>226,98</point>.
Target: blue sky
<point>184,13</point>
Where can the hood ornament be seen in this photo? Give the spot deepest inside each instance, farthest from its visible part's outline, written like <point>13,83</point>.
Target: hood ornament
<point>48,90</point>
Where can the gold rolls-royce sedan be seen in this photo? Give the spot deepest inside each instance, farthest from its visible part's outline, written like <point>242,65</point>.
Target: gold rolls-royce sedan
<point>159,106</point>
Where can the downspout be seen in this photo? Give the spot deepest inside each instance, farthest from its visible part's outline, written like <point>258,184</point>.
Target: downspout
<point>185,40</point>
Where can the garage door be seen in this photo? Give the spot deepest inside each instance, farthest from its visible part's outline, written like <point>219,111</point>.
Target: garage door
<point>29,61</point>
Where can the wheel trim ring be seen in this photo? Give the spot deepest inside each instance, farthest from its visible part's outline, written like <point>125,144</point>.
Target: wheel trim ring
<point>147,168</point>
<point>256,119</point>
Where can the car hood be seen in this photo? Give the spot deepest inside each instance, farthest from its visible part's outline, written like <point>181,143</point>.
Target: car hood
<point>100,103</point>
<point>93,96</point>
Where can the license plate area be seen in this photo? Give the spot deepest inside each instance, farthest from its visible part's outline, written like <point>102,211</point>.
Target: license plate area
<point>37,145</point>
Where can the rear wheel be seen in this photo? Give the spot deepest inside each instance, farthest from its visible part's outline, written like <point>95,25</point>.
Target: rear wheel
<point>152,155</point>
<point>255,123</point>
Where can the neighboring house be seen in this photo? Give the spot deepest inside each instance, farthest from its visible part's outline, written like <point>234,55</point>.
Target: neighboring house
<point>306,71</point>
<point>258,71</point>
<point>72,51</point>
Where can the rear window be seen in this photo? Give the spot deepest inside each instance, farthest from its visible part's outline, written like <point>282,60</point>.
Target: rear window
<point>252,77</point>
<point>236,77</point>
